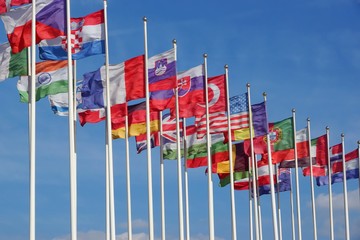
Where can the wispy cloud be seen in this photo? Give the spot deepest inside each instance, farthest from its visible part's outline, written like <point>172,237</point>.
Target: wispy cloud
<point>322,201</point>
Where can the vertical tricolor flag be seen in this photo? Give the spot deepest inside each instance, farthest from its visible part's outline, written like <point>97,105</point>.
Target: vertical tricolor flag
<point>12,65</point>
<point>87,39</point>
<point>50,23</point>
<point>51,78</point>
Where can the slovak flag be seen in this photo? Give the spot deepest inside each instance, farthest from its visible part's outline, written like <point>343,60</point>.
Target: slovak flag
<point>50,23</point>
<point>87,39</point>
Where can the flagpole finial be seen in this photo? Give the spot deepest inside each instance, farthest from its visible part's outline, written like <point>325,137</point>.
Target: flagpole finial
<point>226,66</point>
<point>248,85</point>
<point>205,55</point>
<point>145,19</point>
<point>293,110</point>
<point>308,119</point>
<point>327,128</point>
<point>264,94</point>
<point>342,135</point>
<point>174,41</point>
<point>358,142</point>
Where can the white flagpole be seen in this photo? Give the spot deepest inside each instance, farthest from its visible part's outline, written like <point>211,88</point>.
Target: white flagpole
<point>346,205</point>
<point>149,172</point>
<point>298,204</point>
<point>272,184</point>
<point>313,205</point>
<point>162,183</point>
<point>128,186</point>
<point>178,152</point>
<point>253,168</point>
<point>359,164</point>
<point>73,175</point>
<point>251,226</point>
<point>186,181</point>
<point>292,209</point>
<point>231,167</point>
<point>32,123</point>
<point>208,146</point>
<point>108,131</point>
<point>331,218</point>
<point>278,204</point>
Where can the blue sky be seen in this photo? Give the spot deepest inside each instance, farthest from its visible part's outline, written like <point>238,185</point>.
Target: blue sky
<point>304,55</point>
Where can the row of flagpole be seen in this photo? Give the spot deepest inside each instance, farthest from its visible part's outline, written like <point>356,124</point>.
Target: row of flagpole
<point>110,207</point>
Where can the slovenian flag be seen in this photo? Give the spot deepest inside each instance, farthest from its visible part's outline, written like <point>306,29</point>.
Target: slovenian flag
<point>50,23</point>
<point>87,39</point>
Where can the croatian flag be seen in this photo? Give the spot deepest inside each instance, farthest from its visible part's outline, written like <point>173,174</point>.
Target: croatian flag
<point>87,39</point>
<point>50,23</point>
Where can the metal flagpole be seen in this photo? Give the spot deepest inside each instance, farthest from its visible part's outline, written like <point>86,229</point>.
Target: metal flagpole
<point>162,183</point>
<point>278,203</point>
<point>272,189</point>
<point>178,152</point>
<point>292,208</point>
<point>73,175</point>
<point>298,205</point>
<point>313,205</point>
<point>186,181</point>
<point>208,146</point>
<point>149,169</point>
<point>331,218</point>
<point>359,164</point>
<point>32,123</point>
<point>231,167</point>
<point>108,131</point>
<point>346,205</point>
<point>251,226</point>
<point>128,186</point>
<point>254,180</point>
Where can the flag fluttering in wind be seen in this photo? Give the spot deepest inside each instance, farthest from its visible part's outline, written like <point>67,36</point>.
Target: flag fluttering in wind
<point>6,4</point>
<point>12,65</point>
<point>50,23</point>
<point>87,39</point>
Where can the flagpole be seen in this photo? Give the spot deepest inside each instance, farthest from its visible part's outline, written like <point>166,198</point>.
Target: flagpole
<point>108,130</point>
<point>358,142</point>
<point>178,152</point>
<point>73,174</point>
<point>292,209</point>
<point>272,185</point>
<point>187,217</point>
<point>298,205</point>
<point>313,205</point>
<point>231,167</point>
<point>149,169</point>
<point>32,123</point>
<point>251,226</point>
<point>254,185</point>
<point>208,146</point>
<point>329,186</point>
<point>278,203</point>
<point>128,186</point>
<point>162,183</point>
<point>346,205</point>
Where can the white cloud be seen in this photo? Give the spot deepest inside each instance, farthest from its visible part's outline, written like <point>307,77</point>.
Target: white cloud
<point>137,223</point>
<point>322,201</point>
<point>98,235</point>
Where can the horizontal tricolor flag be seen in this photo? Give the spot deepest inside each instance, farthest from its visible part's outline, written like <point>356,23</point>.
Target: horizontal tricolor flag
<point>6,4</point>
<point>50,23</point>
<point>12,65</point>
<point>51,78</point>
<point>87,39</point>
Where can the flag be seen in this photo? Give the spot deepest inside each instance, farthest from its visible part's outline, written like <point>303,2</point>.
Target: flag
<point>240,178</point>
<point>239,111</point>
<point>352,172</point>
<point>6,4</point>
<point>217,124</point>
<point>59,103</point>
<point>50,23</point>
<point>169,137</point>
<point>87,39</point>
<point>141,141</point>
<point>126,83</point>
<point>351,164</point>
<point>317,171</point>
<point>259,119</point>
<point>162,71</point>
<point>12,65</point>
<point>283,184</point>
<point>51,78</point>
<point>336,153</point>
<point>136,120</point>
<point>240,160</point>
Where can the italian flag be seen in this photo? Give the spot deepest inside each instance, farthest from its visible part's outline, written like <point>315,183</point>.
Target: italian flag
<point>12,65</point>
<point>51,79</point>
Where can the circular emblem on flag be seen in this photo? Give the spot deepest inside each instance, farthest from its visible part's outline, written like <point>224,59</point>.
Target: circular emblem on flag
<point>160,67</point>
<point>184,85</point>
<point>44,78</point>
<point>275,135</point>
<point>76,25</point>
<point>216,95</point>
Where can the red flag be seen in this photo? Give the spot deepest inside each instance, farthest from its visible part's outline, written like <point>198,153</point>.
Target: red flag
<point>6,4</point>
